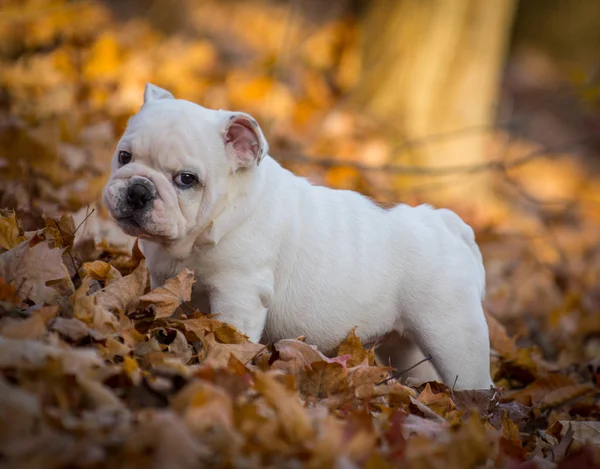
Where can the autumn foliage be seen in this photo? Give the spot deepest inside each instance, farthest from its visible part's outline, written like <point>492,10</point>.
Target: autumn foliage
<point>98,370</point>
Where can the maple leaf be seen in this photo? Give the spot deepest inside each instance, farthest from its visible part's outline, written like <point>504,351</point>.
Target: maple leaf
<point>322,379</point>
<point>440,403</point>
<point>29,269</point>
<point>174,292</point>
<point>352,346</point>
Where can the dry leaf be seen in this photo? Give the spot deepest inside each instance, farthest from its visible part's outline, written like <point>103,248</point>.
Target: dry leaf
<point>173,293</point>
<point>122,294</point>
<point>218,354</point>
<point>29,269</point>
<point>440,403</point>
<point>353,346</point>
<point>99,270</point>
<point>322,379</point>
<point>10,234</point>
<point>34,327</point>
<point>291,416</point>
<point>31,354</point>
<point>584,432</point>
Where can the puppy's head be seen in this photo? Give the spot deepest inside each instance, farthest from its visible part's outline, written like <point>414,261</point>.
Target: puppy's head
<point>175,163</point>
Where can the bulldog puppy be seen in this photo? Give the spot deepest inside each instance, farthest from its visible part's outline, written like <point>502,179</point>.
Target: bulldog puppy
<point>278,257</point>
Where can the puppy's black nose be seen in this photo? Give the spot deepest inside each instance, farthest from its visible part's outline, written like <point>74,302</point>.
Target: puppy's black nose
<point>138,196</point>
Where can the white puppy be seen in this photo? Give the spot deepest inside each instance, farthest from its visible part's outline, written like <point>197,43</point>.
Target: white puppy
<point>278,257</point>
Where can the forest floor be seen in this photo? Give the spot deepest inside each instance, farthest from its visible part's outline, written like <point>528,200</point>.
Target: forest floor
<point>97,370</point>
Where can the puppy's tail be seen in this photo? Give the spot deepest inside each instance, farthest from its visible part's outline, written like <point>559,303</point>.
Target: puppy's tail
<point>457,225</point>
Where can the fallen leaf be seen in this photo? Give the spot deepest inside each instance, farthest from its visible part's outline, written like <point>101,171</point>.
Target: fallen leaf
<point>74,331</point>
<point>122,294</point>
<point>538,390</point>
<point>440,403</point>
<point>31,354</point>
<point>584,432</point>
<point>205,407</point>
<point>352,346</point>
<point>33,327</point>
<point>10,233</point>
<point>322,379</point>
<point>218,354</point>
<point>293,419</point>
<point>29,269</point>
<point>99,270</point>
<point>499,338</point>
<point>225,333</point>
<point>173,293</point>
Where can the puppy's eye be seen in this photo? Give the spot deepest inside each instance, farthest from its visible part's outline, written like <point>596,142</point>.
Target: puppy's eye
<point>185,180</point>
<point>124,157</point>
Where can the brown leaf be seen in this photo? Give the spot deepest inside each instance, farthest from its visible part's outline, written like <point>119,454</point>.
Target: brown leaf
<point>536,391</point>
<point>499,339</point>
<point>29,269</point>
<point>205,407</point>
<point>440,403</point>
<point>584,432</point>
<point>558,397</point>
<point>60,232</point>
<point>74,331</point>
<point>8,292</point>
<point>10,233</point>
<point>31,354</point>
<point>99,270</point>
<point>20,413</point>
<point>296,350</point>
<point>363,378</point>
<point>292,417</point>
<point>161,439</point>
<point>225,333</point>
<point>174,292</point>
<point>34,327</point>
<point>322,379</point>
<point>218,354</point>
<point>353,346</point>
<point>120,295</point>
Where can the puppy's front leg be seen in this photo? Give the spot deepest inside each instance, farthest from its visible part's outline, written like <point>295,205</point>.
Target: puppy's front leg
<point>243,303</point>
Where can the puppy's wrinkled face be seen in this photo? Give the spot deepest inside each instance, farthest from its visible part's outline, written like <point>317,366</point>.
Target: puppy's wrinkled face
<point>174,163</point>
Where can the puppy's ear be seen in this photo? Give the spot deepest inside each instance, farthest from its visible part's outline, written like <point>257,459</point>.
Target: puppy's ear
<point>244,140</point>
<point>152,92</point>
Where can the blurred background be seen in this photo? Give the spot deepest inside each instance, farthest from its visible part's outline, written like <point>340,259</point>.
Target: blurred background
<point>489,108</point>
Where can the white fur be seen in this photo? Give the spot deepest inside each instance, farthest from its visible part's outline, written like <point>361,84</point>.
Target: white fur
<point>279,257</point>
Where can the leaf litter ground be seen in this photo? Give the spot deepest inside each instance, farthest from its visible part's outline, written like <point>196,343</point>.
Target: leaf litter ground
<point>100,371</point>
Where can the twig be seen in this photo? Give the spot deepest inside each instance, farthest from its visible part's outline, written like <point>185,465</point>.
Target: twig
<point>68,249</point>
<point>328,162</point>
<point>84,220</point>
<point>397,375</point>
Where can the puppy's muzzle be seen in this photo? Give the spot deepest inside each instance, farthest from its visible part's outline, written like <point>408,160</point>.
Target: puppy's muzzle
<point>140,193</point>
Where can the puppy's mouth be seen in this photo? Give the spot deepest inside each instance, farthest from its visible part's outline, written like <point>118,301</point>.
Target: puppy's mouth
<point>129,220</point>
<point>130,225</point>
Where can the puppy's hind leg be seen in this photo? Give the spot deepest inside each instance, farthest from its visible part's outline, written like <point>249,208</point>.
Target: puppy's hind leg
<point>402,353</point>
<point>456,335</point>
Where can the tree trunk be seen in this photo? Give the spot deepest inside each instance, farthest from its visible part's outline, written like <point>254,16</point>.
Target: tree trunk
<point>432,68</point>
